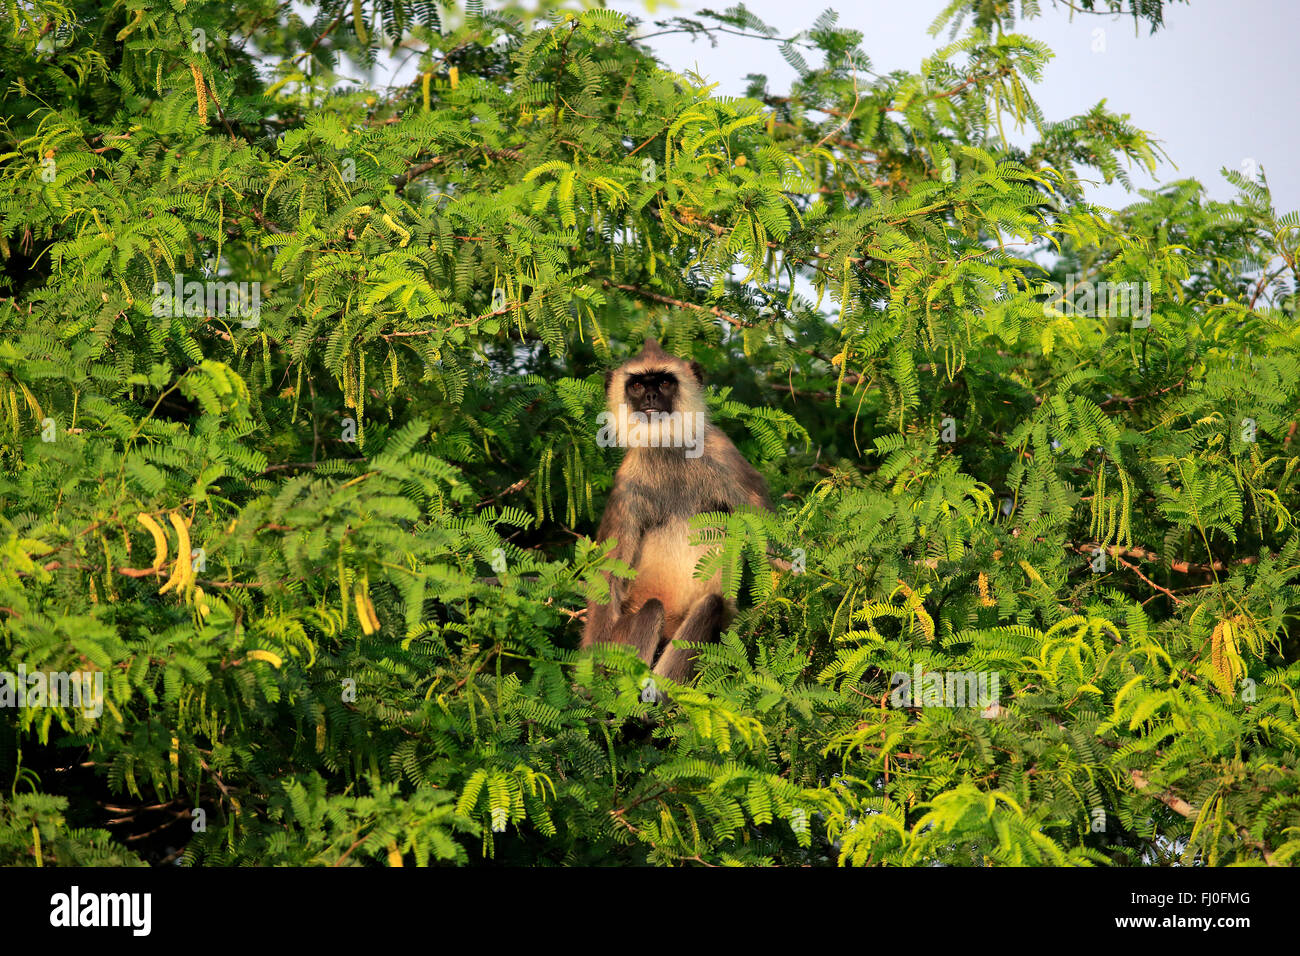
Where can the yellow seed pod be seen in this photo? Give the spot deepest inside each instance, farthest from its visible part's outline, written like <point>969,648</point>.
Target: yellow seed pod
<point>359,22</point>
<point>200,94</point>
<point>159,539</point>
<point>363,615</point>
<point>183,546</point>
<point>1225,656</point>
<point>134,22</point>
<point>275,660</point>
<point>392,224</point>
<point>182,576</point>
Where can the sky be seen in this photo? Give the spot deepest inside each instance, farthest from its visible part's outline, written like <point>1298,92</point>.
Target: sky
<point>1216,85</point>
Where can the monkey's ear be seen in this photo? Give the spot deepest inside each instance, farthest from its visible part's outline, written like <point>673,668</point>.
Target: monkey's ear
<point>609,379</point>
<point>697,371</point>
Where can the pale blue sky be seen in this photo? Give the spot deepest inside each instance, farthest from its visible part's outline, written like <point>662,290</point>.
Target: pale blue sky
<point>1217,85</point>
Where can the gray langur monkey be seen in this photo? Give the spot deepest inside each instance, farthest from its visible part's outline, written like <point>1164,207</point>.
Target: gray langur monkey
<point>676,466</point>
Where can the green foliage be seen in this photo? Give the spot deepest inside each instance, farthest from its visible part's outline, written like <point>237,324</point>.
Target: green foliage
<point>329,556</point>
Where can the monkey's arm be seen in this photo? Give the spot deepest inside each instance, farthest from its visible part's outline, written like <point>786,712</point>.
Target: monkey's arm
<point>619,522</point>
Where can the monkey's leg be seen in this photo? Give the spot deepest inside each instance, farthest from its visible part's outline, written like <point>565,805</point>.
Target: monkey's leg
<point>703,623</point>
<point>642,630</point>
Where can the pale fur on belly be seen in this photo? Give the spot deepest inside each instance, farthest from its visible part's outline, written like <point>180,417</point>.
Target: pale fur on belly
<point>670,575</point>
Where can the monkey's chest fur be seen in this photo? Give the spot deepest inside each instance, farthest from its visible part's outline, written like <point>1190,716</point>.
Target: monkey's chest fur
<point>666,570</point>
<point>664,558</point>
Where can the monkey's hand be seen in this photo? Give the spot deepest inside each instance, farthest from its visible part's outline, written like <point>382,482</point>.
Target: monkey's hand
<point>601,618</point>
<point>599,627</point>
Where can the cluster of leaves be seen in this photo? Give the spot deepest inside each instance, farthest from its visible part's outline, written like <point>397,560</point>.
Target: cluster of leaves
<point>329,557</point>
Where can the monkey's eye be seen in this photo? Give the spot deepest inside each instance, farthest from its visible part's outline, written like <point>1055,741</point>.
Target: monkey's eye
<point>636,388</point>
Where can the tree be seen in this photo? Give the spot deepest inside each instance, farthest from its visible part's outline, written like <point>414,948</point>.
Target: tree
<point>299,378</point>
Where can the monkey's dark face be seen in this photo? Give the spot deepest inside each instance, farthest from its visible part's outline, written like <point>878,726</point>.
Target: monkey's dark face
<point>651,391</point>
